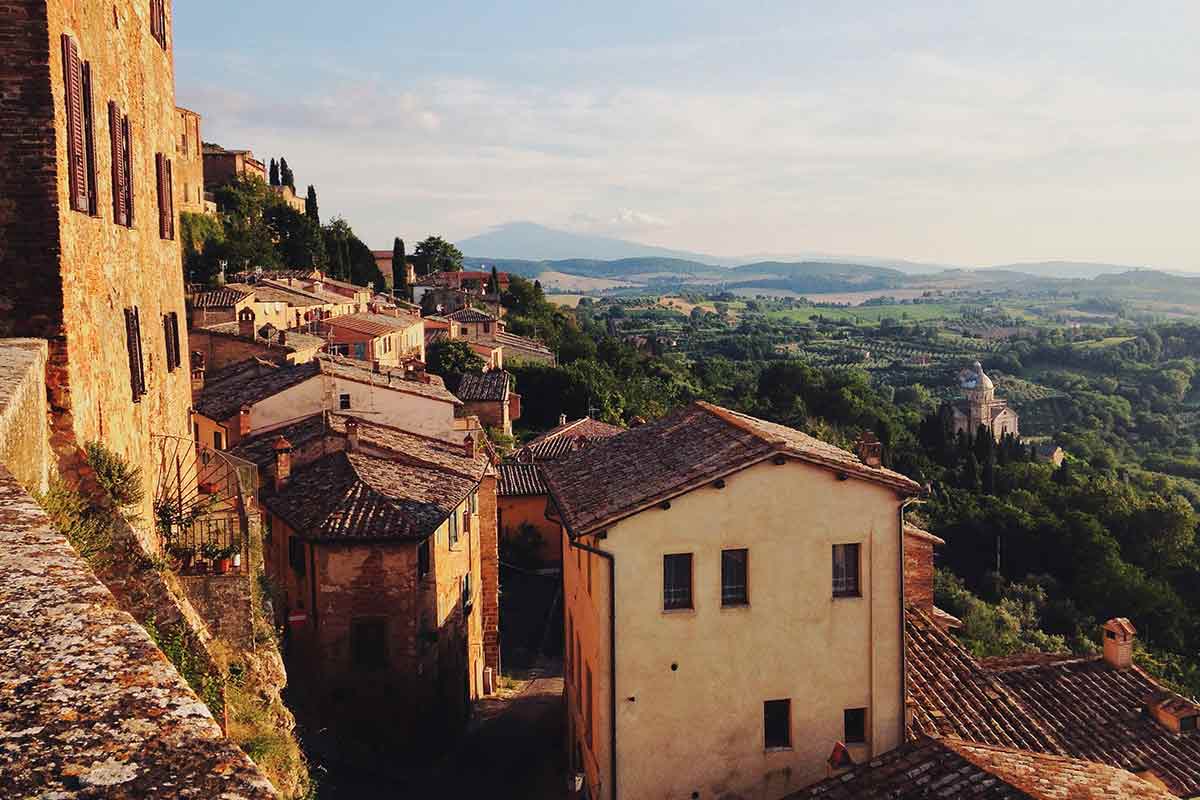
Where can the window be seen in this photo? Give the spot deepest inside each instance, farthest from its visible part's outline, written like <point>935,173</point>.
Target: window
<point>368,648</point>
<point>158,22</point>
<point>454,529</point>
<point>171,337</point>
<point>487,327</point>
<point>81,149</point>
<point>468,601</point>
<point>734,590</point>
<point>777,724</point>
<point>1188,723</point>
<point>218,441</point>
<point>122,183</point>
<point>296,555</point>
<point>344,402</point>
<point>845,570</point>
<point>166,197</point>
<point>855,723</point>
<point>133,345</point>
<point>677,581</point>
<point>473,501</point>
<point>423,559</point>
<point>360,351</point>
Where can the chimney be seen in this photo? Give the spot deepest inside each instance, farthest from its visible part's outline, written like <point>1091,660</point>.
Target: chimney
<point>469,445</point>
<point>1118,643</point>
<point>246,323</point>
<point>352,435</point>
<point>562,419</point>
<point>869,449</point>
<point>243,422</point>
<point>283,462</point>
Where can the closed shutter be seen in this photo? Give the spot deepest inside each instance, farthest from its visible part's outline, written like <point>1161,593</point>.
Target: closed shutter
<point>116,128</point>
<point>73,89</point>
<point>160,171</point>
<point>89,140</point>
<point>170,185</point>
<point>175,337</point>
<point>158,21</point>
<point>171,338</point>
<point>127,152</point>
<point>133,344</point>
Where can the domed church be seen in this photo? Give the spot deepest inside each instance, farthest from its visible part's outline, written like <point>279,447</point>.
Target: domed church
<point>980,406</point>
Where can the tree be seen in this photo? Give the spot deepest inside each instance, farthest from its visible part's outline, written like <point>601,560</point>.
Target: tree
<point>310,206</point>
<point>349,257</point>
<point>438,255</point>
<point>286,178</point>
<point>399,269</point>
<point>249,241</point>
<point>274,172</point>
<point>494,282</point>
<point>298,239</point>
<point>452,357</point>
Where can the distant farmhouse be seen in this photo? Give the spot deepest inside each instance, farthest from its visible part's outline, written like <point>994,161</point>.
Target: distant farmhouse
<point>980,407</point>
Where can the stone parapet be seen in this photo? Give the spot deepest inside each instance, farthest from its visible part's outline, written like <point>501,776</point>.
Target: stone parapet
<point>24,439</point>
<point>89,707</point>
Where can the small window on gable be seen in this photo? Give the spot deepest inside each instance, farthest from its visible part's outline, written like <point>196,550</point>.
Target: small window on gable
<point>855,725</point>
<point>845,570</point>
<point>344,402</point>
<point>777,724</point>
<point>677,581</point>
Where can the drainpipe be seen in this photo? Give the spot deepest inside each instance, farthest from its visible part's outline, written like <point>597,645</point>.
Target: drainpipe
<point>612,654</point>
<point>903,638</point>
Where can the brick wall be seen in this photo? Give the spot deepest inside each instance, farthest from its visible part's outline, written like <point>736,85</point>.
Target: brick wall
<point>918,571</point>
<point>69,275</point>
<point>489,557</point>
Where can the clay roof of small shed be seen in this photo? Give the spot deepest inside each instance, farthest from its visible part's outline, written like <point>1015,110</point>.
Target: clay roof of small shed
<point>954,769</point>
<point>696,444</point>
<point>521,480</point>
<point>355,496</point>
<point>489,386</point>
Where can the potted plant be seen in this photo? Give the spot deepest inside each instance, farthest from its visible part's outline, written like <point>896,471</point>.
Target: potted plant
<point>183,556</point>
<point>224,560</point>
<point>211,552</point>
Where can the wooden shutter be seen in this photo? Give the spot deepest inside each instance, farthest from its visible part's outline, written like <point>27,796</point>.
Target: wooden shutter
<point>161,175</point>
<point>127,153</point>
<point>116,129</point>
<point>171,337</point>
<point>133,344</point>
<point>158,21</point>
<point>89,140</point>
<point>167,341</point>
<point>170,185</point>
<point>73,89</point>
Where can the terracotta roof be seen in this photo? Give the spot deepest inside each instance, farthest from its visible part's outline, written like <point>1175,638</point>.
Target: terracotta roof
<point>521,480</point>
<point>270,292</point>
<point>434,335</point>
<point>953,769</point>
<point>478,387</point>
<point>623,474</point>
<point>522,343</point>
<point>292,340</point>
<point>1078,707</point>
<point>567,438</point>
<point>356,496</point>
<point>219,298</point>
<point>373,324</point>
<point>918,533</point>
<point>247,383</point>
<point>471,315</point>
<point>389,378</point>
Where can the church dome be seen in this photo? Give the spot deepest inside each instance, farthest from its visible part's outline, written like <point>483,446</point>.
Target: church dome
<point>975,378</point>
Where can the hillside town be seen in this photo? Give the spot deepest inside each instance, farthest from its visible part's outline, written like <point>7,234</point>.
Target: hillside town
<point>358,524</point>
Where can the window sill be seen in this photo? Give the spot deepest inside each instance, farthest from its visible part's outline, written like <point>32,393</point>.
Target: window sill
<point>735,606</point>
<point>847,595</point>
<point>786,749</point>
<point>679,611</point>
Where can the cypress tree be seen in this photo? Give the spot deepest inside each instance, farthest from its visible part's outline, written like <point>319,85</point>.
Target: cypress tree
<point>494,282</point>
<point>399,269</point>
<point>286,178</point>
<point>274,172</point>
<point>310,206</point>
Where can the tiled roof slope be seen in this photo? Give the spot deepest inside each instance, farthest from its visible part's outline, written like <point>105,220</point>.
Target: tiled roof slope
<point>355,496</point>
<point>1081,708</point>
<point>618,476</point>
<point>484,386</point>
<point>294,340</point>
<point>521,480</point>
<point>567,438</point>
<point>953,769</point>
<point>521,343</point>
<point>373,324</point>
<point>395,379</point>
<point>471,315</point>
<point>219,298</point>
<point>954,696</point>
<point>1096,712</point>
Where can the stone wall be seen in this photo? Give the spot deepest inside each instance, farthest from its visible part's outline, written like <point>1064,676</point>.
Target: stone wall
<point>918,571</point>
<point>489,559</point>
<point>189,165</point>
<point>224,603</point>
<point>24,444</point>
<point>91,706</point>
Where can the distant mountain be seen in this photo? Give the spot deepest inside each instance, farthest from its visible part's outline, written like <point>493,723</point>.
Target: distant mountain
<point>595,268</point>
<point>900,264</point>
<point>823,269</point>
<point>533,242</point>
<point>1086,270</point>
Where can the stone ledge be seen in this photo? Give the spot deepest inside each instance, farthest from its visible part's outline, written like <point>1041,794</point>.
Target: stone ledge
<point>89,706</point>
<point>24,435</point>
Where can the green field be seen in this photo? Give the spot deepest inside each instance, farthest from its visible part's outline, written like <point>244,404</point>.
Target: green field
<point>870,315</point>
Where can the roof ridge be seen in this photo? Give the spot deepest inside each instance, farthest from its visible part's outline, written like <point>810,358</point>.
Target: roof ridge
<point>733,418</point>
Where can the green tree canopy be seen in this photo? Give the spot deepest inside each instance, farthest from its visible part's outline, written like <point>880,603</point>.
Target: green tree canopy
<point>310,206</point>
<point>438,255</point>
<point>399,269</point>
<point>452,357</point>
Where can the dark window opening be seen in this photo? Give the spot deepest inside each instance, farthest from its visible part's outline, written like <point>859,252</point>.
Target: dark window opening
<point>855,720</point>
<point>218,441</point>
<point>296,555</point>
<point>777,723</point>
<point>423,559</point>
<point>845,570</point>
<point>344,402</point>
<point>454,529</point>
<point>368,646</point>
<point>166,197</point>
<point>677,581</point>
<point>122,185</point>
<point>1188,723</point>
<point>734,573</point>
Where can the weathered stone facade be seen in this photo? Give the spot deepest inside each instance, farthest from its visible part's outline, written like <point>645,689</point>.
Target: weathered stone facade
<point>189,163</point>
<point>489,561</point>
<point>71,275</point>
<point>223,602</point>
<point>24,444</point>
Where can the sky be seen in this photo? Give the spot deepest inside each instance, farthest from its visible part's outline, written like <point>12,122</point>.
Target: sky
<point>953,132</point>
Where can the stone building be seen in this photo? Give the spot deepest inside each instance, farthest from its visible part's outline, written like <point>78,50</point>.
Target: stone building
<point>732,591</point>
<point>221,166</point>
<point>385,339</point>
<point>189,168</point>
<point>980,406</point>
<point>489,396</point>
<point>383,543</point>
<point>88,221</point>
